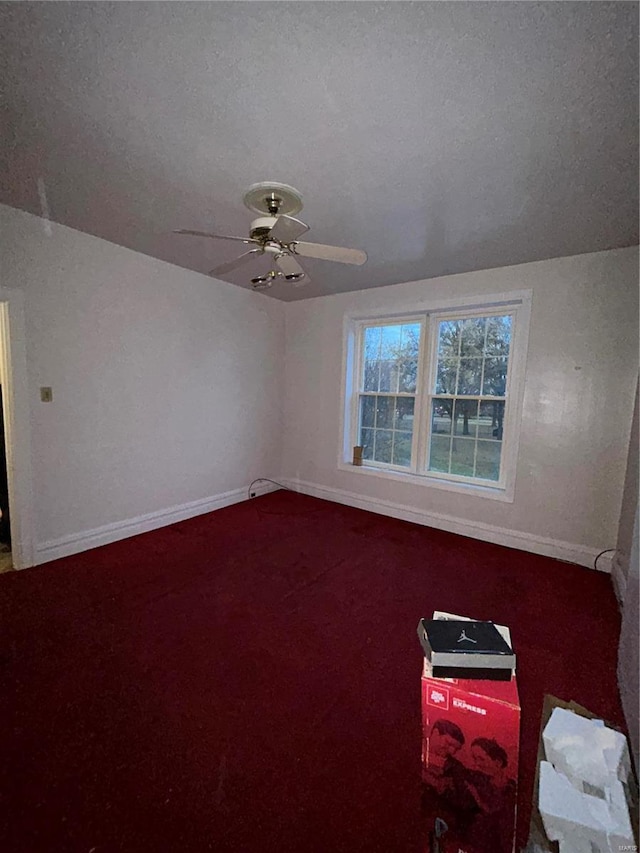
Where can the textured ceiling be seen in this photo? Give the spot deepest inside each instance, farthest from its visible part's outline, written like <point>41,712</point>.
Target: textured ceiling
<point>439,137</point>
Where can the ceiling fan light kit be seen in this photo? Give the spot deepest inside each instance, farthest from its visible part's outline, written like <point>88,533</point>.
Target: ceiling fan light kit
<point>275,233</point>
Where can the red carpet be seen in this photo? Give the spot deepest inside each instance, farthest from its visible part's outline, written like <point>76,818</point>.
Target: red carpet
<point>249,680</point>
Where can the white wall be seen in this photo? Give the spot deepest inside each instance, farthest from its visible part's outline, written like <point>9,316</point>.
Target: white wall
<point>628,656</point>
<point>167,385</point>
<point>581,376</point>
<point>626,577</point>
<point>628,513</point>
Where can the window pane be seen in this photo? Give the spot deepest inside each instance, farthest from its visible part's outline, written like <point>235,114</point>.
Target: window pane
<point>388,375</point>
<point>385,409</point>
<point>386,428</point>
<point>390,345</point>
<point>408,356</point>
<point>367,411</point>
<point>439,453</point>
<point>469,376</point>
<point>372,342</point>
<point>449,339</point>
<point>366,440</point>
<point>408,374</point>
<point>410,340</point>
<point>382,452</point>
<point>404,413</point>
<point>371,374</point>
<point>472,336</point>
<point>488,460</point>
<point>389,352</point>
<point>474,418</point>
<point>465,417</point>
<point>372,337</point>
<point>462,453</point>
<point>391,357</point>
<point>495,377</point>
<point>498,335</point>
<point>402,448</point>
<point>441,416</point>
<point>447,375</point>
<point>390,342</point>
<point>491,419</point>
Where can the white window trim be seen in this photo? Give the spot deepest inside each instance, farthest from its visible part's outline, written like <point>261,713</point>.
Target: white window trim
<point>517,301</point>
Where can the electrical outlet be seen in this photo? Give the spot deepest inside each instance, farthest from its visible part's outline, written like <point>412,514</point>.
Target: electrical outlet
<point>253,494</point>
<point>46,394</point>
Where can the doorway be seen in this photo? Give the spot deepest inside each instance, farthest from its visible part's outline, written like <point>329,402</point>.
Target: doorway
<point>16,524</point>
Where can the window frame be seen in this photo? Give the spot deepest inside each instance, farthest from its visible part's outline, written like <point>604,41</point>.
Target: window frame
<point>517,304</point>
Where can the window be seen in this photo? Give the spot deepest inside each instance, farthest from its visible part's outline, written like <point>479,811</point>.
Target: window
<point>437,395</point>
<point>387,399</point>
<point>467,396</point>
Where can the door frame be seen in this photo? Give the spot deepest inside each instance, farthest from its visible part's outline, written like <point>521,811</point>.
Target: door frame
<point>15,388</point>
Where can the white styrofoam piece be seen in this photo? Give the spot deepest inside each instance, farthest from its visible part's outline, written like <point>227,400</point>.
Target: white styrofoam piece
<point>585,750</point>
<point>573,846</point>
<point>578,846</point>
<point>580,821</point>
<point>563,807</point>
<point>621,834</point>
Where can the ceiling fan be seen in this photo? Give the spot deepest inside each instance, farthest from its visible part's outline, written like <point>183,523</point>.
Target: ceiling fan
<point>275,234</point>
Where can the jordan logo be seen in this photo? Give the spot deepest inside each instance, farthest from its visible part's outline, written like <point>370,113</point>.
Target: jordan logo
<point>464,637</point>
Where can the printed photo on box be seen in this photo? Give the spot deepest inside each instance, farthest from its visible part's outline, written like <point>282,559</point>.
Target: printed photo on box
<point>476,799</point>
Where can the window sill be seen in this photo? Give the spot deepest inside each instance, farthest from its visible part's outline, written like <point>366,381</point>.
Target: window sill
<point>471,490</point>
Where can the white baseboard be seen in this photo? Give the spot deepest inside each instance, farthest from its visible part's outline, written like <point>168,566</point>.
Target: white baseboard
<point>567,551</point>
<point>619,578</point>
<point>83,541</point>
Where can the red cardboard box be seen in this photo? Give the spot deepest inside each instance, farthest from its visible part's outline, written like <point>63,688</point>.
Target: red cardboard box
<point>470,745</point>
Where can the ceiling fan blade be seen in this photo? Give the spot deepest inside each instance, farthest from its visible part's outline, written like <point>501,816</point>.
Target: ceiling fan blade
<point>329,253</point>
<point>288,266</point>
<point>214,236</point>
<point>236,262</point>
<point>287,229</point>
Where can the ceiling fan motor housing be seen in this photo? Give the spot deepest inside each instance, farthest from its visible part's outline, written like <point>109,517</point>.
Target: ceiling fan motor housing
<point>261,227</point>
